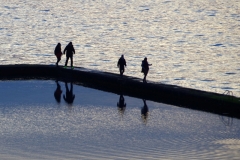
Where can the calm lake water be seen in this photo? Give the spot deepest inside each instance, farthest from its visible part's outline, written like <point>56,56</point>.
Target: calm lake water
<point>191,43</point>
<point>33,125</point>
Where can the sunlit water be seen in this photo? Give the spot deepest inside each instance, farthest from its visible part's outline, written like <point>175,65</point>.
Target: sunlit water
<point>33,125</point>
<point>191,43</point>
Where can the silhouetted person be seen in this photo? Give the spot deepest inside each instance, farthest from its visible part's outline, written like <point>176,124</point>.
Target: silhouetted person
<point>121,104</point>
<point>145,68</point>
<point>69,50</point>
<point>121,64</point>
<point>57,93</point>
<point>144,112</point>
<point>58,53</point>
<point>69,98</point>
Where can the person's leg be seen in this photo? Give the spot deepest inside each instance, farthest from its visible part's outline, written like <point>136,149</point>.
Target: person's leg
<point>145,76</point>
<point>121,73</point>
<point>71,61</point>
<point>66,61</point>
<point>58,60</point>
<point>121,70</point>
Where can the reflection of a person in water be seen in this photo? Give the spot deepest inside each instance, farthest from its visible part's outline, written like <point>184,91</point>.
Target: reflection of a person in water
<point>69,98</point>
<point>121,104</point>
<point>57,93</point>
<point>144,112</point>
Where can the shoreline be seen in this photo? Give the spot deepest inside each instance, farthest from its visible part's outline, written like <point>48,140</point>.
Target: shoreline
<point>170,94</point>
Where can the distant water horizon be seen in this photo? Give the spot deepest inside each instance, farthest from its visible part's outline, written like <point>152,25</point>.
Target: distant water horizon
<point>193,44</point>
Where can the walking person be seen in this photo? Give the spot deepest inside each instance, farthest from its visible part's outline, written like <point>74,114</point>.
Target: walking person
<point>121,64</point>
<point>69,50</point>
<point>58,53</point>
<point>145,68</point>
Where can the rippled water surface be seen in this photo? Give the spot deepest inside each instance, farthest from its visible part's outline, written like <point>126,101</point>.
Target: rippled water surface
<point>191,43</point>
<point>33,125</point>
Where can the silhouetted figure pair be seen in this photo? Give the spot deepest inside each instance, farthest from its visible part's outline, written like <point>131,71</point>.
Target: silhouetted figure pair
<point>145,68</point>
<point>69,51</point>
<point>121,64</point>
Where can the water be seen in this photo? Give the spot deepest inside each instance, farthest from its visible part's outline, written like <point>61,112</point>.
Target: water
<point>191,43</point>
<point>35,126</point>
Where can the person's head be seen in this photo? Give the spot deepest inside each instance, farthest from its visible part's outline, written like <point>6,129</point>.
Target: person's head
<point>122,56</point>
<point>145,59</point>
<point>70,43</point>
<point>58,46</point>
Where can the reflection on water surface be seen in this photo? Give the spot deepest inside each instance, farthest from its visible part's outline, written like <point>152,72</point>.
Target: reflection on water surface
<point>102,125</point>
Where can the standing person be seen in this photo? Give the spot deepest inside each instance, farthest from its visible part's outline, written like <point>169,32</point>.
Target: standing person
<point>69,50</point>
<point>145,68</point>
<point>121,64</point>
<point>58,53</point>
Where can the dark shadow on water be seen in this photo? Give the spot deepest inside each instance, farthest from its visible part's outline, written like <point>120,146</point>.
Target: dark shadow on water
<point>144,112</point>
<point>58,92</point>
<point>121,105</point>
<point>69,96</point>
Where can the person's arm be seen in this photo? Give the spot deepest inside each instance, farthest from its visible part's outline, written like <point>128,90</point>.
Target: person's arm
<point>118,63</point>
<point>64,50</point>
<point>73,50</point>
